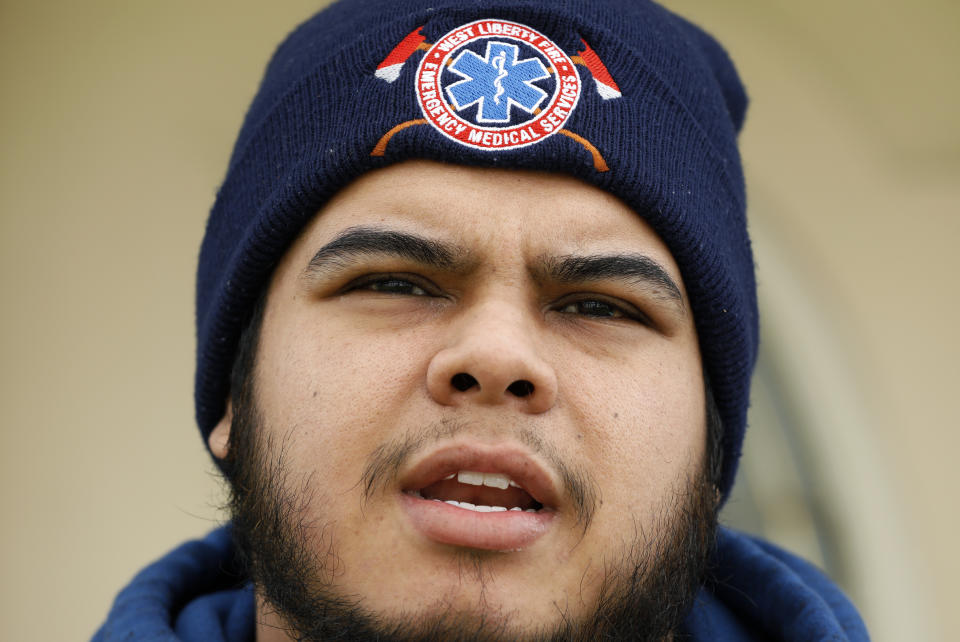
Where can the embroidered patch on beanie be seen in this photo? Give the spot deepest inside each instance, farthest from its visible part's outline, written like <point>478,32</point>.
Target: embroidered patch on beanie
<point>495,85</point>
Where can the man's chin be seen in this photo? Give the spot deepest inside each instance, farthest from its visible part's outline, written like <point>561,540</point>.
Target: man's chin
<point>438,621</point>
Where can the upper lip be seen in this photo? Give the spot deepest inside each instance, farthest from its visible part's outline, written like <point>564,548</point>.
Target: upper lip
<point>514,461</point>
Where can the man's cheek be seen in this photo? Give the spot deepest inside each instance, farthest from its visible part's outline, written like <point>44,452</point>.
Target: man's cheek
<point>330,454</point>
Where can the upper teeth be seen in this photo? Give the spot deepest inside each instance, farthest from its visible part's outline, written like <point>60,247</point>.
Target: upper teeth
<point>494,480</point>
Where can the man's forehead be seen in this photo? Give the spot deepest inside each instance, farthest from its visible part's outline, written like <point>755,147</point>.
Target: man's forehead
<point>475,211</point>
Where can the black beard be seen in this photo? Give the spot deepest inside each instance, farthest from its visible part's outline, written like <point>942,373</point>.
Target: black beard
<point>645,595</point>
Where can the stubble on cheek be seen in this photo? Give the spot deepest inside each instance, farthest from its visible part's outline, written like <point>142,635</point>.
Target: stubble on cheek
<point>274,510</point>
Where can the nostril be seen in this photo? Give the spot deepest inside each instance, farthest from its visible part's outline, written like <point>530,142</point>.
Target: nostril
<point>520,388</point>
<point>462,381</point>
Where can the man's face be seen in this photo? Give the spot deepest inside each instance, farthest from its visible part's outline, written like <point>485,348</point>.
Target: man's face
<point>440,340</point>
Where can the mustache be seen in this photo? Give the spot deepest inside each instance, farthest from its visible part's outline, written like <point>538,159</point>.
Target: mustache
<point>384,464</point>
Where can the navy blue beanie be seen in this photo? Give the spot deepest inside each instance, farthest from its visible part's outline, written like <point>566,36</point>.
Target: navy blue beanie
<point>621,94</point>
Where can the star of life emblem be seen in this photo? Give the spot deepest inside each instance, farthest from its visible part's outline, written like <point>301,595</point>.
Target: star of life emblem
<point>495,84</point>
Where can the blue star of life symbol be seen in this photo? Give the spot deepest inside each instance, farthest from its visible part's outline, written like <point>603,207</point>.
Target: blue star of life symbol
<point>497,81</point>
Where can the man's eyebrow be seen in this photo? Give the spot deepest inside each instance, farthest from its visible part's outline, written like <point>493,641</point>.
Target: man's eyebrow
<point>635,269</point>
<point>363,241</point>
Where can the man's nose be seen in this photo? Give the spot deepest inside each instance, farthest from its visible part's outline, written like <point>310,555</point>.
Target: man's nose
<point>492,359</point>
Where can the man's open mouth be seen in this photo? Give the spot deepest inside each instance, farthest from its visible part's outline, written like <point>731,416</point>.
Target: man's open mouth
<point>480,492</point>
<point>478,496</point>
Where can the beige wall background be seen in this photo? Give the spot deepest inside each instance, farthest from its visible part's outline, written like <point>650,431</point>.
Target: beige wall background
<point>116,122</point>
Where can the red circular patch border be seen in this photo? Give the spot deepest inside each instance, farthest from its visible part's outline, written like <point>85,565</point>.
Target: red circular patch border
<point>445,119</point>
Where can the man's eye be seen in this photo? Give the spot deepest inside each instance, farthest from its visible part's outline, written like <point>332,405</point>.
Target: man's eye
<point>592,308</point>
<point>390,285</point>
<point>600,309</point>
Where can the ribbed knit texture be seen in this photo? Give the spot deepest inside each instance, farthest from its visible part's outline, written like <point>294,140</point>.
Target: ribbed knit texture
<point>669,143</point>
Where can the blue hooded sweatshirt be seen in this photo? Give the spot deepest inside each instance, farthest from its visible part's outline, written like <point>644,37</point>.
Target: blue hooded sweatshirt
<point>758,592</point>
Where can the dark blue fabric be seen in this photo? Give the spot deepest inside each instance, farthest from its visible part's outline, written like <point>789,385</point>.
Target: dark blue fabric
<point>669,142</point>
<point>192,593</point>
<point>756,592</point>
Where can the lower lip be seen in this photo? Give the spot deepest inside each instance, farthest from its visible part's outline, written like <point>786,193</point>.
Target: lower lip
<point>500,531</point>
